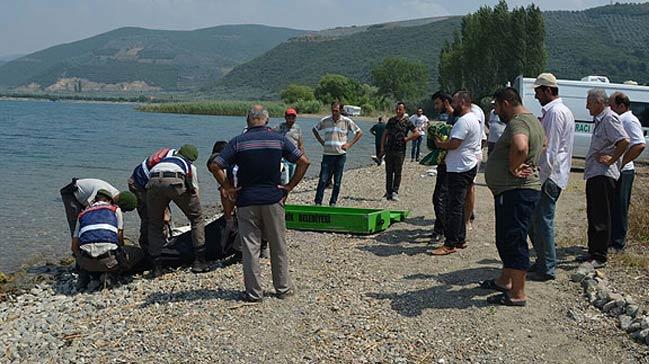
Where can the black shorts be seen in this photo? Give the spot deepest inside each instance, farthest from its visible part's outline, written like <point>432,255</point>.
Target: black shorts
<point>514,210</point>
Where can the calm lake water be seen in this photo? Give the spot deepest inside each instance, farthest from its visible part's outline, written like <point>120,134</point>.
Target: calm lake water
<point>45,144</point>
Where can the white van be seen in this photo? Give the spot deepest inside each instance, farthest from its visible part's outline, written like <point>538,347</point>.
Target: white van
<point>574,93</point>
<point>351,110</point>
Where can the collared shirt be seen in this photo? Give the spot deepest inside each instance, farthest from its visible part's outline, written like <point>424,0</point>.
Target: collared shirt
<point>87,190</point>
<point>294,133</point>
<point>559,125</point>
<point>97,249</point>
<point>633,128</point>
<point>258,153</point>
<point>420,123</point>
<point>496,127</point>
<point>477,110</point>
<point>335,133</point>
<point>607,132</point>
<point>465,157</point>
<point>395,130</point>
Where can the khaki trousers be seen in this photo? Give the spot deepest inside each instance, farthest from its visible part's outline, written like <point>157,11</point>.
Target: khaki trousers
<point>267,221</point>
<point>160,191</point>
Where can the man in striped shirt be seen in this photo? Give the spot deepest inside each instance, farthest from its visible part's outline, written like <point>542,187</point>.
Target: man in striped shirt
<point>335,147</point>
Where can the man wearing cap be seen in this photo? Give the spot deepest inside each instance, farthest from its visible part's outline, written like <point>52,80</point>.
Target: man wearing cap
<point>260,198</point>
<point>294,133</point>
<point>607,144</point>
<point>80,194</point>
<point>621,104</point>
<point>98,239</point>
<point>175,179</point>
<point>335,147</point>
<point>554,170</point>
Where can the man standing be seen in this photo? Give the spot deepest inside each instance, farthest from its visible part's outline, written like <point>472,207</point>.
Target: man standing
<point>621,104</point>
<point>80,194</point>
<point>463,147</point>
<point>469,214</point>
<point>442,103</point>
<point>260,198</point>
<point>496,128</point>
<point>608,143</point>
<point>335,147</point>
<point>377,130</point>
<point>393,146</point>
<point>420,121</point>
<point>556,159</point>
<point>175,179</point>
<point>294,133</point>
<point>513,178</point>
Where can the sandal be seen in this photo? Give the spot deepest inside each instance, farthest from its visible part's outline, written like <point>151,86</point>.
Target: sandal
<point>504,300</point>
<point>443,250</point>
<point>491,284</point>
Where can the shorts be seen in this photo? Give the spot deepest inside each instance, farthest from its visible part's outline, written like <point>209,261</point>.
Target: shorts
<point>514,210</point>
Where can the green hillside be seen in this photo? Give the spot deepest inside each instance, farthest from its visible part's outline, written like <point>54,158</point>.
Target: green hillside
<point>162,58</point>
<point>609,40</point>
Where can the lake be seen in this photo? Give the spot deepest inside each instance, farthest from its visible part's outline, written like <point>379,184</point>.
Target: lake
<point>45,144</point>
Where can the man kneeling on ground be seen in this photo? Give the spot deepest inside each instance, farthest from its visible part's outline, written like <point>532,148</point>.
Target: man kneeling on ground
<point>98,239</point>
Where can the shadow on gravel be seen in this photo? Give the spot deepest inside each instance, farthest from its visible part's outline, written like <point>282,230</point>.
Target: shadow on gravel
<point>420,221</point>
<point>444,296</point>
<point>396,242</point>
<point>360,199</point>
<point>188,296</point>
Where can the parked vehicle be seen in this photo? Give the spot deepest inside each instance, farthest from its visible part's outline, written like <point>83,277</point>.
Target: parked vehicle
<point>574,93</point>
<point>351,110</point>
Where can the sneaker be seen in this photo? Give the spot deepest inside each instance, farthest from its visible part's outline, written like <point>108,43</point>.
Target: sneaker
<point>395,196</point>
<point>376,160</point>
<point>285,295</point>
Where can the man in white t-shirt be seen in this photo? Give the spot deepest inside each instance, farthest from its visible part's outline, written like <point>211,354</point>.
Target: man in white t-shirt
<point>621,104</point>
<point>420,121</point>
<point>463,145</point>
<point>470,195</point>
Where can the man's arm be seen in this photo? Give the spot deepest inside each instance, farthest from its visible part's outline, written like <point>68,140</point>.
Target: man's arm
<point>300,143</point>
<point>317,136</point>
<point>633,153</point>
<point>357,137</point>
<point>227,190</point>
<point>518,155</point>
<point>451,144</point>
<point>120,237</point>
<point>413,135</point>
<point>302,164</point>
<point>620,148</point>
<point>384,137</point>
<point>74,246</point>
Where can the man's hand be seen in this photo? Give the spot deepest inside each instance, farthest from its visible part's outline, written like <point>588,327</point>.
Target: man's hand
<point>605,159</point>
<point>286,189</point>
<point>230,192</point>
<point>346,146</point>
<point>522,171</point>
<point>438,142</point>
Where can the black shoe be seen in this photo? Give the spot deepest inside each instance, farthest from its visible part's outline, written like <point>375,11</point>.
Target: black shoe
<point>287,294</point>
<point>157,271</point>
<point>199,266</point>
<point>247,298</point>
<point>540,277</point>
<point>584,258</point>
<point>84,279</point>
<point>533,267</point>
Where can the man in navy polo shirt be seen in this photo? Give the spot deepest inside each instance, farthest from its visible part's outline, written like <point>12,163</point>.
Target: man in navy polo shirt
<point>260,197</point>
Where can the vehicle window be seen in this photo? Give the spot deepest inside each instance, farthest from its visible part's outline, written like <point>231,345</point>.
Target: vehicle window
<point>641,110</point>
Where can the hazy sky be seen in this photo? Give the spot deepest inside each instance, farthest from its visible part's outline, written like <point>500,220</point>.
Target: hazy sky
<point>30,25</point>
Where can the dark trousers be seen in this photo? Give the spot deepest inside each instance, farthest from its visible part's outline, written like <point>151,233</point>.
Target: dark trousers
<point>457,184</point>
<point>140,193</point>
<point>620,216</point>
<point>72,206</point>
<point>332,165</point>
<point>600,195</point>
<point>393,167</point>
<point>439,200</point>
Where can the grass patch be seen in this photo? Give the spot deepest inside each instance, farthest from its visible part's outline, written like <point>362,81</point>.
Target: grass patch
<point>639,213</point>
<point>223,108</point>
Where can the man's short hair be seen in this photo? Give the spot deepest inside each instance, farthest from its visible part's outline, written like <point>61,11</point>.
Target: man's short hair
<point>553,90</point>
<point>463,95</point>
<point>400,103</point>
<point>219,146</point>
<point>257,112</point>
<point>621,99</point>
<point>442,96</point>
<point>337,103</point>
<point>598,94</point>
<point>508,94</point>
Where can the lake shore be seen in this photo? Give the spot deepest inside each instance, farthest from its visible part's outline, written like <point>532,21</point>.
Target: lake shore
<point>377,298</point>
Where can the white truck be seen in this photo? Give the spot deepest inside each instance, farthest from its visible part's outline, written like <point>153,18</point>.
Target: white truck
<point>574,93</point>
<point>352,110</point>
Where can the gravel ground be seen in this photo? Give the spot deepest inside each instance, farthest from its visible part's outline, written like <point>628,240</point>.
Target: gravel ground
<point>359,299</point>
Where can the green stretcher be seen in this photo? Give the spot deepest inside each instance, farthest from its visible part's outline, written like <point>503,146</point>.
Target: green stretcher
<point>341,219</point>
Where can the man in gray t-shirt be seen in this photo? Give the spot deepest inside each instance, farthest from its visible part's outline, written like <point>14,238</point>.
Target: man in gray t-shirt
<point>607,145</point>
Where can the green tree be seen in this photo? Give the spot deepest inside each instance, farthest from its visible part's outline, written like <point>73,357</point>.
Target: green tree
<point>294,92</point>
<point>400,78</point>
<point>338,87</point>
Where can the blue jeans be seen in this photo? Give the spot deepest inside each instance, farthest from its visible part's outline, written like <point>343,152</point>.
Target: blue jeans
<point>331,165</point>
<point>514,209</point>
<point>541,229</point>
<point>416,146</point>
<point>620,215</point>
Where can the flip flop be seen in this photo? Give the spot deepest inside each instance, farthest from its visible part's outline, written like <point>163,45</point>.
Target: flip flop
<point>443,250</point>
<point>504,300</point>
<point>491,284</point>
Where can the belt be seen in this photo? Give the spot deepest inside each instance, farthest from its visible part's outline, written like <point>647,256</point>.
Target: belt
<point>168,174</point>
<point>101,256</point>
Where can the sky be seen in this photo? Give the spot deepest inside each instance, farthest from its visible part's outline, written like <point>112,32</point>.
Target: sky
<point>30,25</point>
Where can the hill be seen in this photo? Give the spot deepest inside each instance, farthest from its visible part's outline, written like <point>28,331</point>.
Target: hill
<point>608,40</point>
<point>160,58</point>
